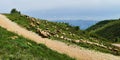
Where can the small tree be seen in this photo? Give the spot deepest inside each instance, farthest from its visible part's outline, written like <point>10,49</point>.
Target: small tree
<point>77,28</point>
<point>14,11</point>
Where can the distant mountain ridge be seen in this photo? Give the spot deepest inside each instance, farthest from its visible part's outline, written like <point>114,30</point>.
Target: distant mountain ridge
<point>83,24</point>
<point>98,25</point>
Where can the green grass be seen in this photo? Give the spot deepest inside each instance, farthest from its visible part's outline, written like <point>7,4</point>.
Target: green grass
<point>44,24</point>
<point>99,25</point>
<point>24,49</point>
<point>109,31</point>
<point>63,28</point>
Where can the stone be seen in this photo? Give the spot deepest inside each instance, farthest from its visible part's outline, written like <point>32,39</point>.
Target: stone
<point>44,34</point>
<point>61,37</point>
<point>32,24</point>
<point>38,23</point>
<point>33,19</point>
<point>63,33</point>
<point>68,39</point>
<point>39,30</point>
<point>77,41</point>
<point>57,36</point>
<point>14,37</point>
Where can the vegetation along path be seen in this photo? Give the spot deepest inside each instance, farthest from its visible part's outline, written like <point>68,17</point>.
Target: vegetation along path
<point>73,51</point>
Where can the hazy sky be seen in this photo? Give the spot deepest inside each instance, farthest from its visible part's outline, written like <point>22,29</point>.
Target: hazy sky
<point>65,9</point>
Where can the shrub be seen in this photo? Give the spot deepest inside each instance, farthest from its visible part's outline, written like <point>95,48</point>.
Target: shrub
<point>77,28</point>
<point>15,11</point>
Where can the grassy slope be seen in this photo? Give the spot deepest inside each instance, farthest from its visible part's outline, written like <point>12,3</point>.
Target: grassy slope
<point>107,29</point>
<point>62,27</point>
<point>24,49</point>
<point>98,25</point>
<point>44,24</point>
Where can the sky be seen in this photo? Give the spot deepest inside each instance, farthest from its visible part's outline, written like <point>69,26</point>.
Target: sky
<point>65,9</point>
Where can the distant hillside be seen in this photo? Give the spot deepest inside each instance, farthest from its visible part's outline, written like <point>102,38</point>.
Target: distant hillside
<point>109,29</point>
<point>98,25</point>
<point>83,24</point>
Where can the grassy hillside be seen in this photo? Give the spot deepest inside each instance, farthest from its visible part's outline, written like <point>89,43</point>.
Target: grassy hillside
<point>55,29</point>
<point>108,29</point>
<point>14,47</point>
<point>62,32</point>
<point>98,25</point>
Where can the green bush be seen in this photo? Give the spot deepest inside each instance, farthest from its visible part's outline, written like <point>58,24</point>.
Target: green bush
<point>14,11</point>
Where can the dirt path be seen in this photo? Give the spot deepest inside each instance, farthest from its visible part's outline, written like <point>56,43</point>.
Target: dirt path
<point>73,51</point>
<point>117,45</point>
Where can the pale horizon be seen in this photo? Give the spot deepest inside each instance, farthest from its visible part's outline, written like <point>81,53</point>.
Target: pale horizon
<point>65,9</point>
